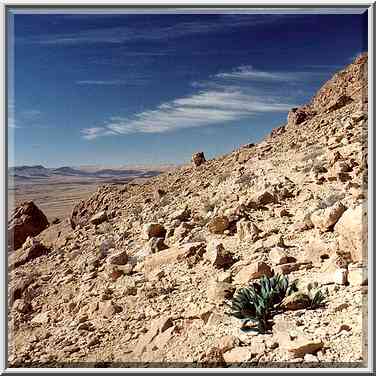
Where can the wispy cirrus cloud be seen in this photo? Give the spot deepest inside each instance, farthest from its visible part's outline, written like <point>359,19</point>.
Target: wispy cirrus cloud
<point>216,105</point>
<point>226,97</point>
<point>92,133</point>
<point>249,73</point>
<point>101,82</point>
<point>23,118</point>
<point>121,34</point>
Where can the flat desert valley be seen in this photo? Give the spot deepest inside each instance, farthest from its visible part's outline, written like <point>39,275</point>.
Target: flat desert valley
<point>56,191</point>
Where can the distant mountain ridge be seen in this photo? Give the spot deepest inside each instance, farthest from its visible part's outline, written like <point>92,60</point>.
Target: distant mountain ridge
<point>38,171</point>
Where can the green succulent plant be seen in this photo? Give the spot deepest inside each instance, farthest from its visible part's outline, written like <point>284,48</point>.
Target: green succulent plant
<point>316,296</point>
<point>257,302</point>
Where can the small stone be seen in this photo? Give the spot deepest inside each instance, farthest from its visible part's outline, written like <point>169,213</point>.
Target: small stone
<point>218,225</point>
<point>282,212</point>
<point>217,255</point>
<point>156,245</point>
<point>118,258</point>
<point>182,214</point>
<point>340,276</point>
<point>226,343</point>
<point>286,268</point>
<point>344,327</point>
<point>84,326</point>
<point>224,276</point>
<point>357,276</point>
<point>41,318</point>
<point>278,256</point>
<point>302,346</point>
<point>265,198</point>
<point>309,358</point>
<point>99,218</point>
<point>257,348</point>
<point>22,306</point>
<point>237,355</point>
<point>109,308</point>
<point>247,230</point>
<point>218,292</point>
<point>296,300</point>
<point>253,271</point>
<point>92,341</point>
<point>153,230</point>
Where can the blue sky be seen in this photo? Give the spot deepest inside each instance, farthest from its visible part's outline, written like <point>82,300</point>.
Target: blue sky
<point>154,88</point>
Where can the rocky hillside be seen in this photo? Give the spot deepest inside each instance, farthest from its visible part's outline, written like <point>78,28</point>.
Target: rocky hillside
<point>142,274</point>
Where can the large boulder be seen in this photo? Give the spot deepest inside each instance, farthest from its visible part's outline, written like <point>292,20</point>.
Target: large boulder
<point>352,230</point>
<point>26,220</point>
<point>198,159</point>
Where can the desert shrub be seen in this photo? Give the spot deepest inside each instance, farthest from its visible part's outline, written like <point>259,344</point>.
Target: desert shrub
<point>258,302</point>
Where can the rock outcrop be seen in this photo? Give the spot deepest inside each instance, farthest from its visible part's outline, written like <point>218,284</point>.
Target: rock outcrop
<point>26,220</point>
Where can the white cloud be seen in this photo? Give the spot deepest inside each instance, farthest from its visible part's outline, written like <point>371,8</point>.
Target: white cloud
<point>248,73</point>
<point>227,97</point>
<point>92,133</point>
<point>201,109</point>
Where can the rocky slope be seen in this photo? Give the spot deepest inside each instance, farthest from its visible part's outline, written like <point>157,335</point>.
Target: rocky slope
<point>139,275</point>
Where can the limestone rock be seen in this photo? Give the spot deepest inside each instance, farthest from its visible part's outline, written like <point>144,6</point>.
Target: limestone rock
<point>352,232</point>
<point>237,355</point>
<point>26,220</point>
<point>252,271</point>
<point>31,250</point>
<point>198,159</point>
<point>357,276</point>
<point>278,256</point>
<point>173,254</point>
<point>247,230</point>
<point>325,219</point>
<point>303,346</point>
<point>297,300</point>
